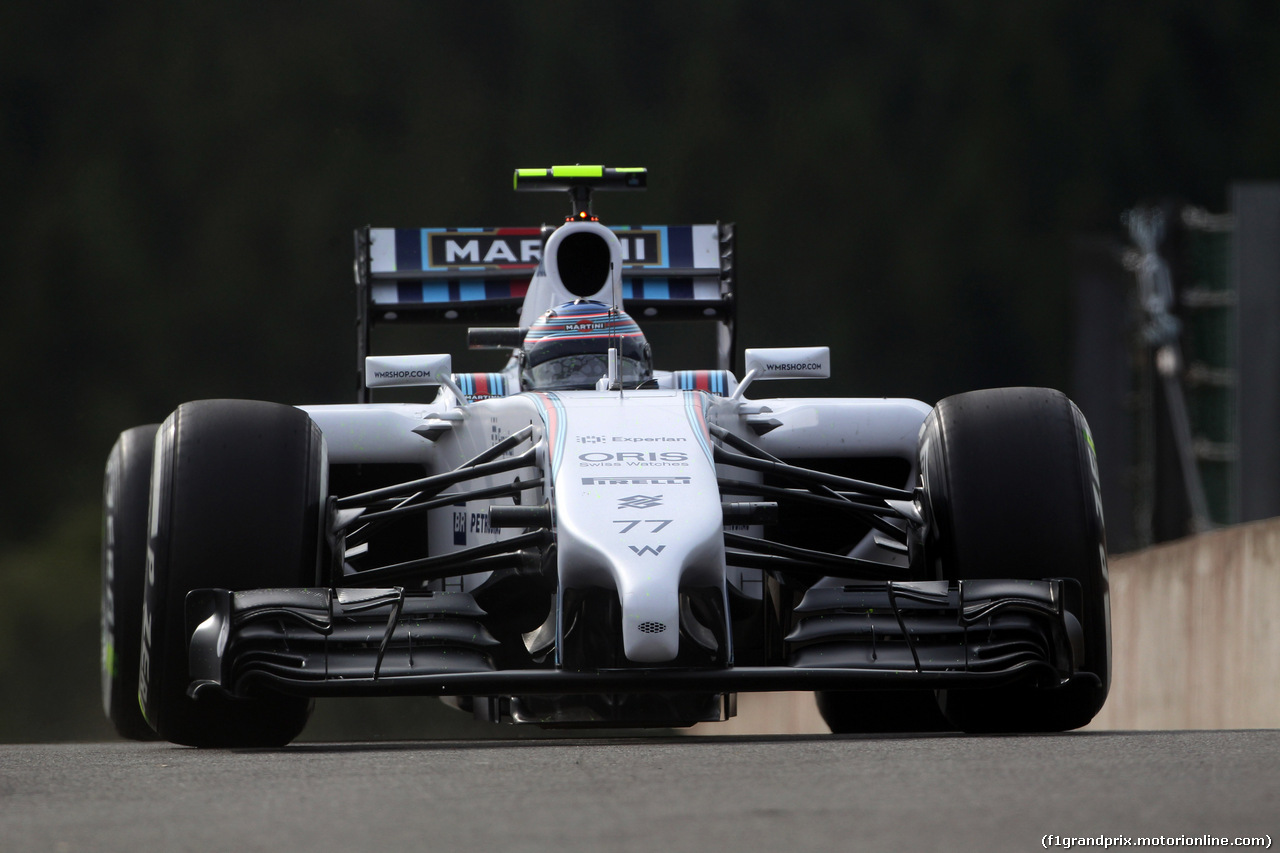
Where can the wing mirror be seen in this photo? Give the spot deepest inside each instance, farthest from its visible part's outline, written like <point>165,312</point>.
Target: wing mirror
<point>398,371</point>
<point>785,363</point>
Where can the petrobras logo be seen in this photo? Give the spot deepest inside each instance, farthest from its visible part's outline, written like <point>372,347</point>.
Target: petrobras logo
<point>468,525</point>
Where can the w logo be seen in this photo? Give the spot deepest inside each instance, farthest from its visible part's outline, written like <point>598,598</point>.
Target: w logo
<point>647,549</point>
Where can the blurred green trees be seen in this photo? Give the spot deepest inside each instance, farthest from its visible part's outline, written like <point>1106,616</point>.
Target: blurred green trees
<point>180,181</point>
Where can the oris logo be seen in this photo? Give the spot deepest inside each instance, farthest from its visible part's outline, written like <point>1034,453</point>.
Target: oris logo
<point>667,456</point>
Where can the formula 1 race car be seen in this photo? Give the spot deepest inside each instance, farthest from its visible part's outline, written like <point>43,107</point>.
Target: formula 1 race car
<point>581,539</point>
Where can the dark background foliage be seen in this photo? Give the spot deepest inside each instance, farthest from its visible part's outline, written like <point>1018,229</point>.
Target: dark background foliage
<point>180,181</point>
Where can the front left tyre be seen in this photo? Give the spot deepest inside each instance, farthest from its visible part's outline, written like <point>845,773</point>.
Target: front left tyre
<point>237,494</point>
<point>1012,491</point>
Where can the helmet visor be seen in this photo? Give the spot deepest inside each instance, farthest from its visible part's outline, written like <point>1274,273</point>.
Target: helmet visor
<point>570,372</point>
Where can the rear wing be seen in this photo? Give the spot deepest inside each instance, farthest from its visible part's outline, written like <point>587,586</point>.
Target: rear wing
<point>480,276</point>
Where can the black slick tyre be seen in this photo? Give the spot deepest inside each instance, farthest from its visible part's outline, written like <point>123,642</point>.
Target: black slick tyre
<point>1011,484</point>
<point>238,488</point>
<point>125,493</point>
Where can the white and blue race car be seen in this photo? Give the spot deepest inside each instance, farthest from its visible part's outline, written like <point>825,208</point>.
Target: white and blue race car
<point>582,539</point>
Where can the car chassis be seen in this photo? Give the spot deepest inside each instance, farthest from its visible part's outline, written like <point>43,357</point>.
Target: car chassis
<point>636,556</point>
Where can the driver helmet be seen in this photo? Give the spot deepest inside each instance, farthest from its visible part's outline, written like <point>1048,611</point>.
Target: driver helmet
<point>567,348</point>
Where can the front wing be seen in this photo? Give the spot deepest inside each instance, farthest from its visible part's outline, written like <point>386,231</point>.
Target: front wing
<point>874,635</point>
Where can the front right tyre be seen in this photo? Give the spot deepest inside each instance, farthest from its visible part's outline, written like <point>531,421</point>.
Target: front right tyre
<point>237,494</point>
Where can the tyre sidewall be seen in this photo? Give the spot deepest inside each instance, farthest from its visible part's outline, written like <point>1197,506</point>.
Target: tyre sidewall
<point>126,494</point>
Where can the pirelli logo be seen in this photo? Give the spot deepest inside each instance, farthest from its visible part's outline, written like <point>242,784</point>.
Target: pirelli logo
<point>636,481</point>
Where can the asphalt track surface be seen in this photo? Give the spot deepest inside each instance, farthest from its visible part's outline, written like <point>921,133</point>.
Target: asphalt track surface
<point>701,794</point>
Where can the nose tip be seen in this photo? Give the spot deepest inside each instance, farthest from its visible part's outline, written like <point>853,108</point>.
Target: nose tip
<point>651,621</point>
